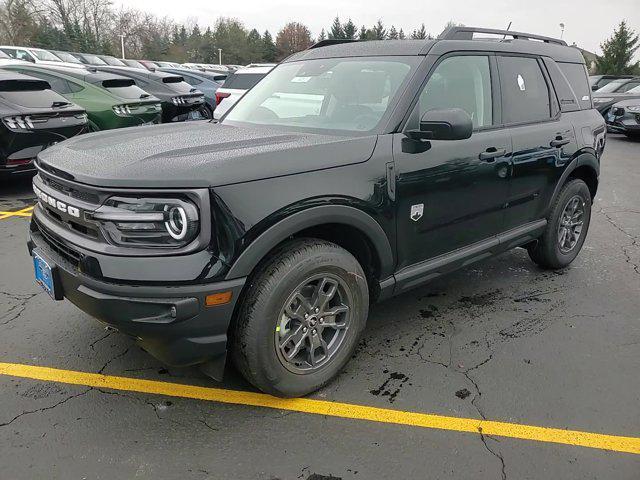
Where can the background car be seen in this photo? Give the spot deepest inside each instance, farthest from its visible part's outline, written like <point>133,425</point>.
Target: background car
<point>624,117</point>
<point>168,65</point>
<point>208,83</point>
<point>113,61</point>
<point>66,57</point>
<point>236,85</point>
<point>133,64</point>
<point>111,100</point>
<point>5,59</point>
<point>34,55</point>
<point>596,82</point>
<point>148,64</point>
<point>180,101</point>
<point>33,117</point>
<point>89,59</point>
<point>614,92</point>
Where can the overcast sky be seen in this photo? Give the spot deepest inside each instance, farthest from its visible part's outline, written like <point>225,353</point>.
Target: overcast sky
<point>587,22</point>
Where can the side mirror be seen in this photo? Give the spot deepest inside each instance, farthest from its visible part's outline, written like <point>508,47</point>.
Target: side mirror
<point>594,87</point>
<point>444,124</point>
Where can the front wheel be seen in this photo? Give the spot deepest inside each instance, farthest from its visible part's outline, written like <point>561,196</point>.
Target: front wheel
<point>566,229</point>
<point>300,318</point>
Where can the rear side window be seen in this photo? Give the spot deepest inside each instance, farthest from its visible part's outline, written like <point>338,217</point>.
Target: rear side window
<point>243,81</point>
<point>576,74</point>
<point>525,93</point>
<point>58,85</point>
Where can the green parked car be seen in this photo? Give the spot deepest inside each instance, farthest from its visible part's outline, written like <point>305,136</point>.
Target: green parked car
<point>111,101</point>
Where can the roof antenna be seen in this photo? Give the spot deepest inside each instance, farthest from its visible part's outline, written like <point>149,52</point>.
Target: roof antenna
<point>508,28</point>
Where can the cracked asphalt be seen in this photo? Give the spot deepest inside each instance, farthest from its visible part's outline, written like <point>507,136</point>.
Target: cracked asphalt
<point>502,340</point>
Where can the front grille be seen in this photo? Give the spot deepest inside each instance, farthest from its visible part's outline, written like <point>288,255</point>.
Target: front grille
<point>57,245</point>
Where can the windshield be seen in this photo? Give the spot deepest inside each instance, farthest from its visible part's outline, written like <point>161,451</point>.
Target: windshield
<point>114,61</point>
<point>612,86</point>
<point>94,59</point>
<point>67,57</point>
<point>134,64</point>
<point>45,56</point>
<point>634,90</point>
<point>350,94</point>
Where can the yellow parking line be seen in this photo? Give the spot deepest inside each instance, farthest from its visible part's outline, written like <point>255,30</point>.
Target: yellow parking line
<point>25,212</point>
<point>324,407</point>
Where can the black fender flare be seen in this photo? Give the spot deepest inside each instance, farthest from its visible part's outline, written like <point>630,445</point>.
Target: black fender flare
<point>311,217</point>
<point>584,159</point>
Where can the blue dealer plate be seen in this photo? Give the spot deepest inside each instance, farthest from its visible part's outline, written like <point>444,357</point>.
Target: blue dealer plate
<point>44,275</point>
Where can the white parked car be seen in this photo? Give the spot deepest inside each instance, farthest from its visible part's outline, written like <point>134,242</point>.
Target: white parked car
<point>235,86</point>
<point>35,55</point>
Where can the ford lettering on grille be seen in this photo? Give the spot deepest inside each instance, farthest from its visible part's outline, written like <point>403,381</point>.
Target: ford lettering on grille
<point>57,204</point>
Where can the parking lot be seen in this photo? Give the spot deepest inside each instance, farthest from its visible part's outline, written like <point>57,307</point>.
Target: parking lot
<point>451,380</point>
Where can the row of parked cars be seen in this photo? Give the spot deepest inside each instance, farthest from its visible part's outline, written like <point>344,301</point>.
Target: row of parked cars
<point>617,98</point>
<point>49,96</point>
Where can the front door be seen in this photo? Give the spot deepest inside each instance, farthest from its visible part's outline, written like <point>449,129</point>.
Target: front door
<point>452,194</point>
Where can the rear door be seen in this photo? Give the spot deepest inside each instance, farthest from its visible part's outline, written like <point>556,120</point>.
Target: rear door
<point>543,138</point>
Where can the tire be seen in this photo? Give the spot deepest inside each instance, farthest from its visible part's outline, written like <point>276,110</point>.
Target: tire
<point>261,323</point>
<point>553,250</point>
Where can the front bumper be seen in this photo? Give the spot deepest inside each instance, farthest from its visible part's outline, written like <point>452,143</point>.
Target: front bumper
<point>627,123</point>
<point>171,322</point>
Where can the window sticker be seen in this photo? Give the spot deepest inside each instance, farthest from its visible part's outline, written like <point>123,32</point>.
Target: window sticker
<point>521,83</point>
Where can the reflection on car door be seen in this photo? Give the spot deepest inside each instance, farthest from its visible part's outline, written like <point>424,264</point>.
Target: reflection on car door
<point>448,197</point>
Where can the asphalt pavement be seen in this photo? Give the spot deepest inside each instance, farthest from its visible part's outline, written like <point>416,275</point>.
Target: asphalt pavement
<point>501,341</point>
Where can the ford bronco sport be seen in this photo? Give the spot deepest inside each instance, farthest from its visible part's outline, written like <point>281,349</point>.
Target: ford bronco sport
<point>351,173</point>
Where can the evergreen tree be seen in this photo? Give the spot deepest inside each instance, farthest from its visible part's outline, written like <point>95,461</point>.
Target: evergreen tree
<point>322,36</point>
<point>269,52</point>
<point>618,52</point>
<point>379,31</point>
<point>393,33</point>
<point>420,34</point>
<point>336,32</point>
<point>349,30</point>
<point>362,35</point>
<point>401,35</point>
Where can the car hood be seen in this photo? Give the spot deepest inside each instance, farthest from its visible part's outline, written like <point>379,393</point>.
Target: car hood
<point>198,154</point>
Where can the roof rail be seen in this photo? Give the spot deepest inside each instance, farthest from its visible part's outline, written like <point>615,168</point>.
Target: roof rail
<point>466,33</point>
<point>330,41</point>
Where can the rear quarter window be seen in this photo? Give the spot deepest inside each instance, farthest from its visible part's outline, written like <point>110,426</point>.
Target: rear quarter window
<point>576,75</point>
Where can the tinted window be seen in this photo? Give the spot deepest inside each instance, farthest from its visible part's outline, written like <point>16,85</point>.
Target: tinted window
<point>525,94</point>
<point>3,55</point>
<point>59,85</point>
<point>67,57</point>
<point>458,82</point>
<point>243,81</point>
<point>576,74</point>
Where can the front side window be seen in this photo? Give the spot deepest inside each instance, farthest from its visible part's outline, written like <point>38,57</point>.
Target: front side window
<point>458,82</point>
<point>342,94</point>
<point>525,93</point>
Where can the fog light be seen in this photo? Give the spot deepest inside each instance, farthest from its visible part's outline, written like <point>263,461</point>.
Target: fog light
<point>218,299</point>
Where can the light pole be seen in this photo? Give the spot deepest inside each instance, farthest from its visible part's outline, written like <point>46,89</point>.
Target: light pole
<point>220,56</point>
<point>122,44</point>
<point>561,30</point>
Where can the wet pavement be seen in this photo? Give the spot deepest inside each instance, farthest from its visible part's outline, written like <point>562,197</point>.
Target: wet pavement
<point>501,340</point>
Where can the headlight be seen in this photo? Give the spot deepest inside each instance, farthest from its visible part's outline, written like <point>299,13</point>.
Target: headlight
<point>148,222</point>
<point>633,108</point>
<point>602,99</point>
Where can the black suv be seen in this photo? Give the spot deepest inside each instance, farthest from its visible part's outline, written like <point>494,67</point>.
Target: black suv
<point>353,172</point>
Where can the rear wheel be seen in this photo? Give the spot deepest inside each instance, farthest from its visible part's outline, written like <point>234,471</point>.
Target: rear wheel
<point>300,318</point>
<point>566,229</point>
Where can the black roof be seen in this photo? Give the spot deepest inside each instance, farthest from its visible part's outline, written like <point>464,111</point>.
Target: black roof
<point>88,74</point>
<point>454,39</point>
<point>9,75</point>
<point>135,72</point>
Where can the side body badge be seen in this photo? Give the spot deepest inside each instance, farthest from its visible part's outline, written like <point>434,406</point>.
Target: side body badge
<point>417,211</point>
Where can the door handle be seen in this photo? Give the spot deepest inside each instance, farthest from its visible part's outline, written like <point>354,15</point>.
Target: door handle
<point>559,142</point>
<point>491,153</point>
